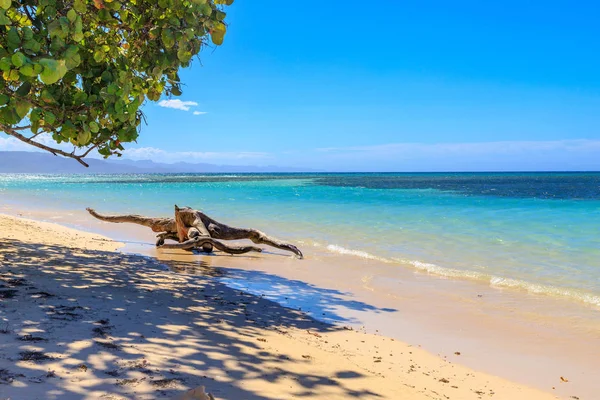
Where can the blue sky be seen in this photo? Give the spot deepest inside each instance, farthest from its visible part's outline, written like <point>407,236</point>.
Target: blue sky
<point>429,85</point>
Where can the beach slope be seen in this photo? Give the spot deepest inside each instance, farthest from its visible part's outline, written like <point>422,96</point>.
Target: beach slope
<point>79,320</point>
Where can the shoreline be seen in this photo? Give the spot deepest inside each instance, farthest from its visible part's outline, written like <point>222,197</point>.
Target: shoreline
<point>587,300</point>
<point>440,338</point>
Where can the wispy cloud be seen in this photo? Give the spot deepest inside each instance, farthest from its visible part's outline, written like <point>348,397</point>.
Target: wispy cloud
<point>467,148</point>
<point>9,143</point>
<point>180,105</point>
<point>578,154</point>
<point>223,157</point>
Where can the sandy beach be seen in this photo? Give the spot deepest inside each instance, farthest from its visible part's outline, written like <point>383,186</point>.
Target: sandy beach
<point>80,320</point>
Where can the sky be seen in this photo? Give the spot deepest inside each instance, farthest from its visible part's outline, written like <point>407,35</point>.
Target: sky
<point>389,86</point>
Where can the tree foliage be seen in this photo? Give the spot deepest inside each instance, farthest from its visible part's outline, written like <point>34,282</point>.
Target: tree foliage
<point>80,69</point>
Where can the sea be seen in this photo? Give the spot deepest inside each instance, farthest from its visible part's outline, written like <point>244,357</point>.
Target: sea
<point>534,232</point>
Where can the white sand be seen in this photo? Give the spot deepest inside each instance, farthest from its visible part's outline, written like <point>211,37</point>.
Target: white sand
<point>118,326</point>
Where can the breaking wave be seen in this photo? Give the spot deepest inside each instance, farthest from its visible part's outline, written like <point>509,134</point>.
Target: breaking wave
<point>493,281</point>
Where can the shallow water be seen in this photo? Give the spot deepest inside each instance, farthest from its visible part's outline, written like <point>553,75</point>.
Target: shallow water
<point>533,231</point>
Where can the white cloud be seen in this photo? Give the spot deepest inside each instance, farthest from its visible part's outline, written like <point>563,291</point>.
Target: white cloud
<point>200,112</point>
<point>159,155</point>
<point>177,104</point>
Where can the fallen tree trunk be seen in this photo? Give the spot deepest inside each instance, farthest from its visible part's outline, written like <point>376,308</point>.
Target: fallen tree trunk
<point>195,230</point>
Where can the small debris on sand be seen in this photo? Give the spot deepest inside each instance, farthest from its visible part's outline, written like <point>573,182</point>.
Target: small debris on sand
<point>129,382</point>
<point>108,345</point>
<point>165,383</point>
<point>34,356</point>
<point>31,338</point>
<point>7,377</point>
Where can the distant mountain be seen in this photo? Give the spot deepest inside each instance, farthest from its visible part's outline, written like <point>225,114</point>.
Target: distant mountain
<point>46,163</point>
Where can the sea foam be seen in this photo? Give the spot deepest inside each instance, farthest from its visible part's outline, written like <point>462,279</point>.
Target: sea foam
<point>493,281</point>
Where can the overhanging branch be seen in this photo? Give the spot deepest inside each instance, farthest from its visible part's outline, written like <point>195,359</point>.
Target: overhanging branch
<point>11,132</point>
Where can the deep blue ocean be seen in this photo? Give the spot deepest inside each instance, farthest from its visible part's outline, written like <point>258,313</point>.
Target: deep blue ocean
<point>539,232</point>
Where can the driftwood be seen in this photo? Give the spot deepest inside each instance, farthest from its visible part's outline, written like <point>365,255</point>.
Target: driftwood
<point>193,229</point>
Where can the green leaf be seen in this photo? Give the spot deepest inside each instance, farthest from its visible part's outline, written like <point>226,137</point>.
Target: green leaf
<point>72,58</point>
<point>22,107</point>
<point>53,70</point>
<point>54,28</point>
<point>4,99</point>
<point>71,15</point>
<point>35,126</point>
<point>206,9</point>
<point>24,89</point>
<point>83,138</point>
<point>80,98</point>
<point>220,15</point>
<point>218,33</point>
<point>4,20</point>
<point>5,64</point>
<point>184,55</point>
<point>32,45</point>
<point>94,127</point>
<point>14,40</point>
<point>18,59</point>
<point>27,70</point>
<point>168,38</point>
<point>9,115</point>
<point>112,88</point>
<point>49,117</point>
<point>47,97</point>
<point>79,6</point>
<point>36,115</point>
<point>99,56</point>
<point>69,130</point>
<point>176,91</point>
<point>5,4</point>
<point>27,33</point>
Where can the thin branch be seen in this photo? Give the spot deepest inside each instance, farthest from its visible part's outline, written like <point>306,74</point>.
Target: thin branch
<point>11,132</point>
<point>36,135</point>
<point>20,128</point>
<point>88,151</point>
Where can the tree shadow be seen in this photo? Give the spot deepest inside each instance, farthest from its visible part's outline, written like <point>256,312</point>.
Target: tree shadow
<point>123,324</point>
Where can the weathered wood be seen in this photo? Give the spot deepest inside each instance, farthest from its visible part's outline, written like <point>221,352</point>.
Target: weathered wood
<point>156,224</point>
<point>194,229</point>
<point>201,241</point>
<point>186,216</point>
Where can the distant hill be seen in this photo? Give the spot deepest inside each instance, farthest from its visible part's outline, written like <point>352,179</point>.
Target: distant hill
<point>46,163</point>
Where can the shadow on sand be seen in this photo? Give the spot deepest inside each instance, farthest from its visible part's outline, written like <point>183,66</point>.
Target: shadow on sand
<point>122,323</point>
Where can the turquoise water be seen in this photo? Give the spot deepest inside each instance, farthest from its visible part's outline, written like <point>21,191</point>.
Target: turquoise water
<point>538,232</point>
